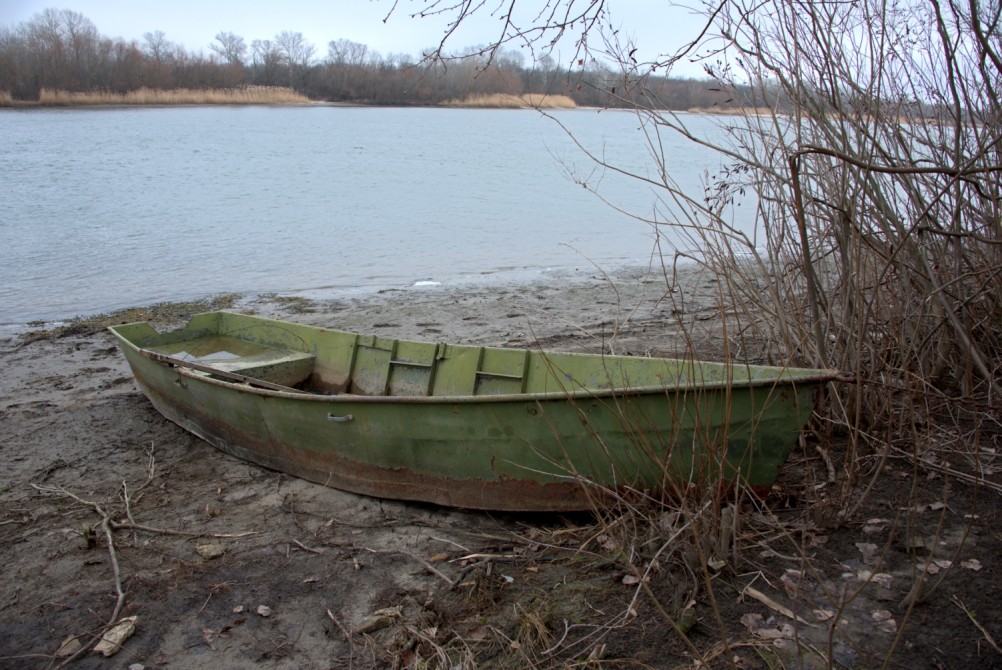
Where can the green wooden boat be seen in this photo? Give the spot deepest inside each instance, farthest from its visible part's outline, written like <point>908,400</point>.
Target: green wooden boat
<point>468,426</point>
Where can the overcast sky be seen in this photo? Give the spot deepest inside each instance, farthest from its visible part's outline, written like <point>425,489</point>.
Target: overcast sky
<point>194,23</point>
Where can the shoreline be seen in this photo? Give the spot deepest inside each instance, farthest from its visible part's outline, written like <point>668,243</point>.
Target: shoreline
<point>504,282</point>
<point>632,310</point>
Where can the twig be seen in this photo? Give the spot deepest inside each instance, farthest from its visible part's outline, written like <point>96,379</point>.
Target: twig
<point>772,604</point>
<point>305,548</point>
<point>106,526</point>
<point>125,497</point>
<point>977,625</point>
<point>485,557</point>
<point>116,525</point>
<point>828,463</point>
<point>950,471</point>
<point>347,636</point>
<point>435,571</point>
<point>115,570</point>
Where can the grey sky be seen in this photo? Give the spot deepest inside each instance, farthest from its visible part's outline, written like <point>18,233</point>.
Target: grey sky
<point>655,25</point>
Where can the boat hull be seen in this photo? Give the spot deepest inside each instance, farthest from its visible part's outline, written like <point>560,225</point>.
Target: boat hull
<point>517,452</point>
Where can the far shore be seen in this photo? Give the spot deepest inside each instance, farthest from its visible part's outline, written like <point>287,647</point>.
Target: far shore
<point>254,95</point>
<point>284,96</point>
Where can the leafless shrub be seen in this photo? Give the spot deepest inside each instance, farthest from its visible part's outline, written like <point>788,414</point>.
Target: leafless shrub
<point>870,147</point>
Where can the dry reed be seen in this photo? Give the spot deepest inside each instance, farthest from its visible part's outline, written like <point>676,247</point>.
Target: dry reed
<point>246,95</point>
<point>507,100</point>
<point>878,252</point>
<point>6,100</point>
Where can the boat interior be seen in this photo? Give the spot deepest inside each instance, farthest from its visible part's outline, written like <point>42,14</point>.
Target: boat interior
<point>307,359</point>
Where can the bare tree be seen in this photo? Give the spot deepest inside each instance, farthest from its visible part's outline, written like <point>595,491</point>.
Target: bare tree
<point>296,54</point>
<point>346,52</point>
<point>267,61</point>
<point>62,47</point>
<point>157,46</point>
<point>295,49</point>
<point>231,48</point>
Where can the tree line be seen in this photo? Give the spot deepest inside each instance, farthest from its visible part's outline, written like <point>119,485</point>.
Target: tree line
<point>63,50</point>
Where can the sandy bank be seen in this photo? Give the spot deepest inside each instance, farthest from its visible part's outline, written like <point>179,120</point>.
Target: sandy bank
<point>228,565</point>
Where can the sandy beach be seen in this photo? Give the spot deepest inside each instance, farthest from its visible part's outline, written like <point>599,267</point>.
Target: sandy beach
<point>229,565</point>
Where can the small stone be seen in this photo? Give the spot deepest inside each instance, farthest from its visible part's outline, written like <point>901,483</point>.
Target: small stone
<point>264,610</point>
<point>210,551</point>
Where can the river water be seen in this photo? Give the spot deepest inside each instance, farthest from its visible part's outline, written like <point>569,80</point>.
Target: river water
<point>102,209</point>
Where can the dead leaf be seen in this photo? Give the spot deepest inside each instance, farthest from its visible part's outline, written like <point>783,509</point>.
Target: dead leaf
<point>715,563</point>
<point>111,642</point>
<point>478,634</point>
<point>823,615</point>
<point>379,619</point>
<point>752,621</point>
<point>884,621</point>
<point>874,526</point>
<point>869,551</point>
<point>784,632</point>
<point>606,542</point>
<point>70,646</point>
<point>757,627</point>
<point>971,564</point>
<point>881,578</point>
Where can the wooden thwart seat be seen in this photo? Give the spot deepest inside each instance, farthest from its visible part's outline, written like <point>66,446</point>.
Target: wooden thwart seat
<point>277,369</point>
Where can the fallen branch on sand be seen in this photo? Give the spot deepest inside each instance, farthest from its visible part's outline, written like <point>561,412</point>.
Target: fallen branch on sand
<point>107,526</point>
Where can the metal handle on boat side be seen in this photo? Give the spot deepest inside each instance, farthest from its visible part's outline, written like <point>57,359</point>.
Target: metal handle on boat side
<point>340,419</point>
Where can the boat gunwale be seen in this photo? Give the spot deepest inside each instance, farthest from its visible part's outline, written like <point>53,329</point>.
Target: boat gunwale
<point>818,377</point>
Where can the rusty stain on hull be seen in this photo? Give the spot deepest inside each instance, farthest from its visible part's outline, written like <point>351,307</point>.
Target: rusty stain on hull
<point>398,483</point>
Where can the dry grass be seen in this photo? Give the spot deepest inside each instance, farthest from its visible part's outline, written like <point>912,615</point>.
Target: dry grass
<point>6,100</point>
<point>245,95</point>
<point>748,111</point>
<point>506,100</point>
